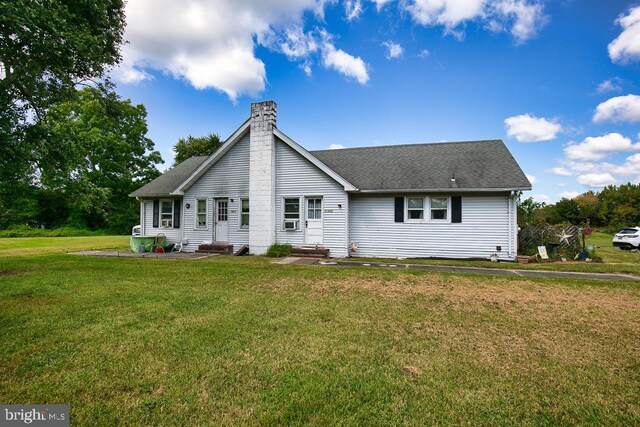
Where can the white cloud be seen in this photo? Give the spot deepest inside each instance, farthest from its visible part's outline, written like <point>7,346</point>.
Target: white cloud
<point>542,198</point>
<point>394,50</point>
<point>306,67</point>
<point>610,85</point>
<point>619,109</point>
<point>352,9</point>
<point>631,166</point>
<point>522,18</point>
<point>597,148</point>
<point>380,3</point>
<point>128,73</point>
<point>568,194</point>
<point>527,128</point>
<point>424,54</point>
<point>211,44</point>
<point>561,171</point>
<point>527,17</point>
<point>626,47</point>
<point>349,65</point>
<point>336,147</point>
<point>582,167</point>
<point>532,179</point>
<point>596,179</point>
<point>295,43</point>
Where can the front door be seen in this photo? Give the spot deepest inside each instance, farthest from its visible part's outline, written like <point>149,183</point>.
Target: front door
<point>313,221</point>
<point>221,220</point>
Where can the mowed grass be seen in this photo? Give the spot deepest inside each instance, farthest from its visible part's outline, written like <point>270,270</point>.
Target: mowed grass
<point>243,341</point>
<point>614,260</point>
<point>13,246</point>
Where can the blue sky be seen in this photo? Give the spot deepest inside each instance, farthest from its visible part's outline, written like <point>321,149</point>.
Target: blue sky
<point>558,81</point>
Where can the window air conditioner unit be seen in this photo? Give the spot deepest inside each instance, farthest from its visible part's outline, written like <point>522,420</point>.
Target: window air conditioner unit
<point>291,224</point>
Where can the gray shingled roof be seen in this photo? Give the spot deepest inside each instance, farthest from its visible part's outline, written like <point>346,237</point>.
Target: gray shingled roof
<point>476,165</point>
<point>166,183</point>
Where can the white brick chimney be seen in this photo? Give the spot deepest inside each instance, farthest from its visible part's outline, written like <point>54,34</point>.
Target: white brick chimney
<point>262,177</point>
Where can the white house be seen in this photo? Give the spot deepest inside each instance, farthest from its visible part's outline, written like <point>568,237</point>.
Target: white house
<point>451,200</point>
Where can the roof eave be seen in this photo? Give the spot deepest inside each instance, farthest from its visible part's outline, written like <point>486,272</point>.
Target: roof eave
<point>444,190</point>
<point>156,195</point>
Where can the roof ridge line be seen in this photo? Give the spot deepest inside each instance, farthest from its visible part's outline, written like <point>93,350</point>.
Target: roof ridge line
<point>411,144</point>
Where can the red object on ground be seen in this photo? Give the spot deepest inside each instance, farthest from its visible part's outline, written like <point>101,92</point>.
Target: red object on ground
<point>160,250</point>
<point>587,231</point>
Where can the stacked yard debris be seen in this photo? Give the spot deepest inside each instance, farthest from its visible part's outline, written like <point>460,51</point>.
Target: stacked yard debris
<point>559,240</point>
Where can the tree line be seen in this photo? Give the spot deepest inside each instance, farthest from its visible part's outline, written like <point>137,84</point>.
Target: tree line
<point>612,208</point>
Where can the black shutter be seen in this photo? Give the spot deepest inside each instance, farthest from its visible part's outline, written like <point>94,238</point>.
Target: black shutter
<point>177,204</point>
<point>156,213</point>
<point>399,203</point>
<point>456,209</point>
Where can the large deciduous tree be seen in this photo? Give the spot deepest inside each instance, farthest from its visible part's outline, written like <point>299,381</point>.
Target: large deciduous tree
<point>47,49</point>
<point>100,153</point>
<point>49,46</point>
<point>196,146</point>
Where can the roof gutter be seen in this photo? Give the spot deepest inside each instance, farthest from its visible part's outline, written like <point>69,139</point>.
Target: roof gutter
<point>443,190</point>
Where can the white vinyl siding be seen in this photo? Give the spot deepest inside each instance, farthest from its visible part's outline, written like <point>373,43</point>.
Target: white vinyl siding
<point>227,178</point>
<point>487,222</point>
<point>297,177</point>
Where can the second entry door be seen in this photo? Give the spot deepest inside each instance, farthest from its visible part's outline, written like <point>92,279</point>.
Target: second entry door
<point>222,220</point>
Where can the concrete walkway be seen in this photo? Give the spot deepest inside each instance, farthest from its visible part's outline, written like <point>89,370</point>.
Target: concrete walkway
<point>456,269</point>
<point>150,255</point>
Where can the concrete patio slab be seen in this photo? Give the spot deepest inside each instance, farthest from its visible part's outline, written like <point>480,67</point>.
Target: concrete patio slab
<point>128,254</point>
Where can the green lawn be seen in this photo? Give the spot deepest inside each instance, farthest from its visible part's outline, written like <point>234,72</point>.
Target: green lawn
<point>243,341</point>
<point>44,245</point>
<point>614,260</point>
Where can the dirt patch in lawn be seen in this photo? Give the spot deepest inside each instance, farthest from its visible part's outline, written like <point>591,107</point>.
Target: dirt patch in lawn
<point>6,272</point>
<point>500,320</point>
<point>463,290</point>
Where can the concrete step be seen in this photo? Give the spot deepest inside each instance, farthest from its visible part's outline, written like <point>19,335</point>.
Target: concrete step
<point>222,249</point>
<point>310,252</point>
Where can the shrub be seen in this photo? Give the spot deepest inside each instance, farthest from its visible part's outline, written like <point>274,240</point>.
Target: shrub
<point>278,250</point>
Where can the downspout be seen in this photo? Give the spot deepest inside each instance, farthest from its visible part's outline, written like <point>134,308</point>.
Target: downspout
<point>512,225</point>
<point>143,215</point>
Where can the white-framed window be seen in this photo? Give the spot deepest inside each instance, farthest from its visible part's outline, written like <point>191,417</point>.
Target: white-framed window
<point>291,213</point>
<point>415,208</point>
<point>439,207</point>
<point>201,213</point>
<point>428,209</point>
<point>244,213</point>
<point>166,213</point>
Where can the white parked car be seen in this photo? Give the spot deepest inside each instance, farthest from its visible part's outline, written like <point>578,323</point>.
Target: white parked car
<point>627,238</point>
<point>136,230</point>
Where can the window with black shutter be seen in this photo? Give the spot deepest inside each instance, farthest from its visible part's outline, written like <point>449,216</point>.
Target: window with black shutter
<point>156,213</point>
<point>399,209</point>
<point>456,209</point>
<point>177,205</point>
